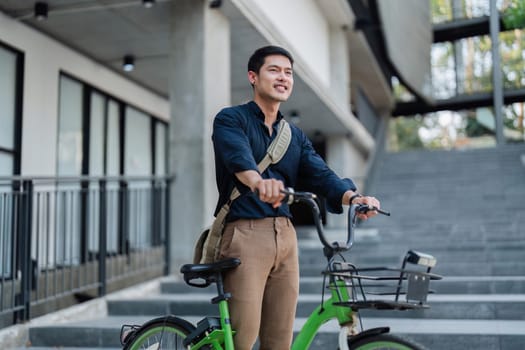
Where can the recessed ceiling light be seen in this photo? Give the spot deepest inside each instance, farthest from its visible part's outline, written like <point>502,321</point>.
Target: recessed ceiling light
<point>128,63</point>
<point>41,10</point>
<point>148,3</point>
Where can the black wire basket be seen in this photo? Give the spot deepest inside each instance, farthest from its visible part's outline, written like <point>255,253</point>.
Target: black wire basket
<point>385,288</point>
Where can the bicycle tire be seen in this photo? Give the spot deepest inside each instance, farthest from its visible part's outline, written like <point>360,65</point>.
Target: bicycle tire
<point>162,333</point>
<point>384,342</point>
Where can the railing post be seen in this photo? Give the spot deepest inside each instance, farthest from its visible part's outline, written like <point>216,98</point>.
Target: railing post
<point>84,210</point>
<point>102,241</point>
<point>156,212</point>
<point>24,248</point>
<point>123,219</point>
<point>167,223</point>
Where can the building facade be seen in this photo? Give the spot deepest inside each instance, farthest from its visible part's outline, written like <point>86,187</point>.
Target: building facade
<point>71,111</point>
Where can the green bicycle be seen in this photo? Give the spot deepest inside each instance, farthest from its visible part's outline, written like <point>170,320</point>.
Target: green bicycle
<point>345,282</point>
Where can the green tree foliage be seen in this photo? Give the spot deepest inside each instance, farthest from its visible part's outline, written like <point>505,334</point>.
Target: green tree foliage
<point>512,50</point>
<point>441,10</point>
<point>404,134</point>
<point>512,45</point>
<point>473,128</point>
<point>514,15</point>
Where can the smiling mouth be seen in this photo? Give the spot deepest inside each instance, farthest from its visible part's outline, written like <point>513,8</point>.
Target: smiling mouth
<point>281,87</point>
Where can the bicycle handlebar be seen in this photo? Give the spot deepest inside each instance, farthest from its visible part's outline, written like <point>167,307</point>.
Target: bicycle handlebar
<point>335,247</point>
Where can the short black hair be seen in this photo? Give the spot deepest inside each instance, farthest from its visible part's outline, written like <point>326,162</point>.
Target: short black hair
<point>257,58</point>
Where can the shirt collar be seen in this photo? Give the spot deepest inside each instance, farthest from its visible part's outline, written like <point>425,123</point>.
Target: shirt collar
<point>260,115</point>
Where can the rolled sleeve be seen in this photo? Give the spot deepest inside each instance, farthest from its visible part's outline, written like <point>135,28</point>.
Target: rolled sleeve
<point>334,203</point>
<point>317,176</point>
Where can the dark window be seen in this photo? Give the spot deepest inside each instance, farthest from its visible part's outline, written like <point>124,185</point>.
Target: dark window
<point>11,71</point>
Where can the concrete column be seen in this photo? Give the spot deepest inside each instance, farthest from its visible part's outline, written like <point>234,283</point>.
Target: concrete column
<point>343,157</point>
<point>199,88</point>
<point>458,8</point>
<point>497,81</point>
<point>339,66</point>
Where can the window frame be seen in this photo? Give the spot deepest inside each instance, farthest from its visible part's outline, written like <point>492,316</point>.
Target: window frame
<point>16,151</point>
<point>88,90</point>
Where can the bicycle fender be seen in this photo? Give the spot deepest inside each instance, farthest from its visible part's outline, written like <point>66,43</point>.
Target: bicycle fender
<point>343,338</point>
<point>369,333</point>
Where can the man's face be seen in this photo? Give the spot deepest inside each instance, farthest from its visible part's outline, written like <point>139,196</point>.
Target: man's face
<point>274,81</point>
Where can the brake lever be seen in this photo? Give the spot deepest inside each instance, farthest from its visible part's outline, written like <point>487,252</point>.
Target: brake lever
<point>364,208</point>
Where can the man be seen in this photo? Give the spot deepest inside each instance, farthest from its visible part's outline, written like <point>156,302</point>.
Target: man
<point>258,231</point>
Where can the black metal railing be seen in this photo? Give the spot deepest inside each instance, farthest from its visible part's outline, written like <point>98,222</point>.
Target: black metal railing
<point>63,240</point>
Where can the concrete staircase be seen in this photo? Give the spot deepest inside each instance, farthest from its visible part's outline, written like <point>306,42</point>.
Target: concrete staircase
<point>467,208</point>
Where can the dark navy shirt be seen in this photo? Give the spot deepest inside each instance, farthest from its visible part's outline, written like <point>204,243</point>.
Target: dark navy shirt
<point>240,140</point>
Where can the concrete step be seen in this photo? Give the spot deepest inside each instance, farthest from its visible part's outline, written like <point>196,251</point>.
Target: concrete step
<point>100,333</point>
<point>435,334</point>
<point>441,341</point>
<point>177,286</point>
<point>451,306</point>
<point>368,255</point>
<point>472,307</point>
<point>480,285</point>
<point>449,285</point>
<point>443,334</point>
<point>441,237</point>
<point>468,285</point>
<point>176,304</point>
<point>65,348</point>
<point>504,268</point>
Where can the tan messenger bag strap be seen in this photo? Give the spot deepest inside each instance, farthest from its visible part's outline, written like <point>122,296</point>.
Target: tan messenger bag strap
<point>274,154</point>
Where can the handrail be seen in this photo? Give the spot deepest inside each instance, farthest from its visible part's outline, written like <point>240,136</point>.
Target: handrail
<point>55,179</point>
<point>60,236</point>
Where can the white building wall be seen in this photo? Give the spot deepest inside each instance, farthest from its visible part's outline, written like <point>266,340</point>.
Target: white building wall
<point>340,67</point>
<point>45,58</point>
<point>303,26</point>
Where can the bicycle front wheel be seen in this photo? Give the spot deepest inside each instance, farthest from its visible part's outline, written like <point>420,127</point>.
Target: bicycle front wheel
<point>160,334</point>
<point>383,342</point>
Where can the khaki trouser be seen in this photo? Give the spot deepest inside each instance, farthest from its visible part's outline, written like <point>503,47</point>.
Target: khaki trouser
<point>265,286</point>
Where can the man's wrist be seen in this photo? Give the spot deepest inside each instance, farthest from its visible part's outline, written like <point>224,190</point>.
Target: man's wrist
<point>353,197</point>
<point>349,196</point>
<point>249,178</point>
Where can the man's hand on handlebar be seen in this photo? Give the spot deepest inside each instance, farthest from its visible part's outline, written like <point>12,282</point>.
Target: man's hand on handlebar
<point>270,191</point>
<point>273,191</point>
<point>371,202</point>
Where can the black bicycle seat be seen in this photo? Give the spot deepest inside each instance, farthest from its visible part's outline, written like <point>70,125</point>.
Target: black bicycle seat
<point>207,272</point>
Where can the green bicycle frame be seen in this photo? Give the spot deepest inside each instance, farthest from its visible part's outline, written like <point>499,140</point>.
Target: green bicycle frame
<point>222,339</point>
<point>324,313</point>
<point>221,336</point>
